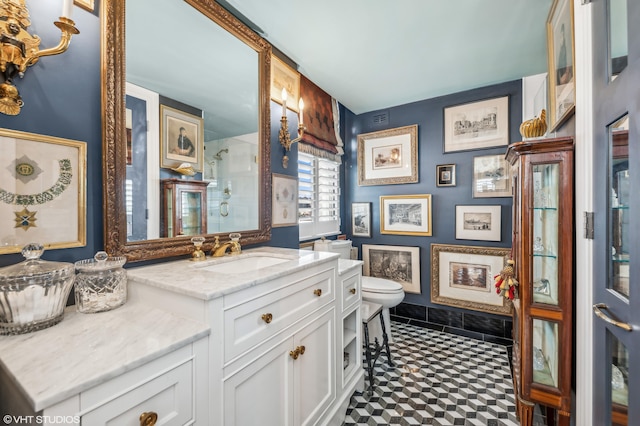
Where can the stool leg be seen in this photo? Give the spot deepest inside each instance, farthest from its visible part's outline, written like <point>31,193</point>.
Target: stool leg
<point>367,353</point>
<point>385,339</point>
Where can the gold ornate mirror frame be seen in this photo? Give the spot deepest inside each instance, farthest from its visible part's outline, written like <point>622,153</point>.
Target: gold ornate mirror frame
<point>114,136</point>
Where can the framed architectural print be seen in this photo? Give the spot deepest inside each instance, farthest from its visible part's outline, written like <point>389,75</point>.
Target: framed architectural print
<point>446,175</point>
<point>388,156</point>
<point>42,191</point>
<point>285,77</point>
<point>491,176</point>
<point>181,139</point>
<point>477,125</point>
<point>405,214</point>
<point>284,200</point>
<point>462,276</point>
<point>397,263</point>
<point>361,219</point>
<point>478,222</point>
<point>562,90</point>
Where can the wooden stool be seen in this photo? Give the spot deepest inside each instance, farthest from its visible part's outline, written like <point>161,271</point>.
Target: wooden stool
<point>372,350</point>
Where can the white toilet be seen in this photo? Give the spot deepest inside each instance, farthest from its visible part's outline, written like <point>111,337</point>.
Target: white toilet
<point>385,292</point>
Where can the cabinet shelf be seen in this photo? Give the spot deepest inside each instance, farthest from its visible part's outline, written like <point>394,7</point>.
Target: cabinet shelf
<point>544,209</point>
<point>349,336</point>
<point>547,255</point>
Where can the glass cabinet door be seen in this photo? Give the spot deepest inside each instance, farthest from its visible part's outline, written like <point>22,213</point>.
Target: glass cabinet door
<point>191,212</point>
<point>545,233</point>
<point>545,352</point>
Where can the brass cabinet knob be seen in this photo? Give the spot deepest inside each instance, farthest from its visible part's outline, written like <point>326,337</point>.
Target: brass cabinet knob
<point>267,318</point>
<point>352,291</point>
<point>297,352</point>
<point>318,292</point>
<point>148,419</point>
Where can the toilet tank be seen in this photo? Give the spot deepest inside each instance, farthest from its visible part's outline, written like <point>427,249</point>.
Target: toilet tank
<point>342,247</point>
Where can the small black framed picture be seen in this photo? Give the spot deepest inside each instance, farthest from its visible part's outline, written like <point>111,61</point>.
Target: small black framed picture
<point>446,175</point>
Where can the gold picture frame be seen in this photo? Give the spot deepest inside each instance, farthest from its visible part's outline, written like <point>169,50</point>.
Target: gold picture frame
<point>406,215</point>
<point>85,4</point>
<point>462,276</point>
<point>388,157</point>
<point>283,76</point>
<point>561,64</point>
<point>284,200</point>
<point>42,191</point>
<point>176,143</point>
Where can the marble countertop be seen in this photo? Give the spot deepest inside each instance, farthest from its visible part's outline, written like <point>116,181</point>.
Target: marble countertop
<point>346,265</point>
<point>85,350</point>
<point>193,279</point>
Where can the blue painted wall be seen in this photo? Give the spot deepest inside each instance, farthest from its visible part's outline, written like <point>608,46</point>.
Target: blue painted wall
<point>62,98</point>
<point>429,116</point>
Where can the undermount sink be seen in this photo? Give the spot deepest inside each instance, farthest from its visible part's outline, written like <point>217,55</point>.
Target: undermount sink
<point>243,263</point>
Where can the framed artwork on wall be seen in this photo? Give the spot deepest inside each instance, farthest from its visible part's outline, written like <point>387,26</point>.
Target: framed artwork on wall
<point>446,175</point>
<point>388,156</point>
<point>285,77</point>
<point>405,214</point>
<point>491,176</point>
<point>397,263</point>
<point>478,222</point>
<point>42,191</point>
<point>181,139</point>
<point>462,276</point>
<point>284,200</point>
<point>85,4</point>
<point>562,92</point>
<point>477,125</point>
<point>361,219</point>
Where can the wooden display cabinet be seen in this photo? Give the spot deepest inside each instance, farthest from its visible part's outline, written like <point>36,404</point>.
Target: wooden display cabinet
<point>184,207</point>
<point>543,233</point>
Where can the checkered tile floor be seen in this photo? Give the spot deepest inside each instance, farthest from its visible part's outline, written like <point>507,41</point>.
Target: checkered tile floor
<point>437,379</point>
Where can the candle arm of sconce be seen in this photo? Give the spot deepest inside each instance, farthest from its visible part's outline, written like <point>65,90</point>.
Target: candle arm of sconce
<point>68,29</point>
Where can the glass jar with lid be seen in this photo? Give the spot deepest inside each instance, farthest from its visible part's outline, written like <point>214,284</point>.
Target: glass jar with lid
<point>33,293</point>
<point>101,283</point>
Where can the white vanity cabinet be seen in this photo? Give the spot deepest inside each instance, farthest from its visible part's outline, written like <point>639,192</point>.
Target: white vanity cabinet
<point>290,384</point>
<point>107,369</point>
<point>276,352</point>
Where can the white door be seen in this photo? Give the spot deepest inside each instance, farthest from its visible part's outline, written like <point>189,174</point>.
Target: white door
<point>616,168</point>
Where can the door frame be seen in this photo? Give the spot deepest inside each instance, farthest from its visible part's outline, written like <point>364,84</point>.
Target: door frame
<point>584,188</point>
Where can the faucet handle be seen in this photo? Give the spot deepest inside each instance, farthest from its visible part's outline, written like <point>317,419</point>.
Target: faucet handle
<point>235,242</point>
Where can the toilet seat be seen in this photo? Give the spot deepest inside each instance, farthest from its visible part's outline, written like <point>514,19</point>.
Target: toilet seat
<point>380,285</point>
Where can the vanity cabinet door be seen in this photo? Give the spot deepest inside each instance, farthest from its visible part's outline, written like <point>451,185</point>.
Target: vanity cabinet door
<point>314,370</point>
<point>262,392</point>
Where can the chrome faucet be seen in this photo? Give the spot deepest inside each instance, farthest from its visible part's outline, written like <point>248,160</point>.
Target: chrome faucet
<point>220,250</point>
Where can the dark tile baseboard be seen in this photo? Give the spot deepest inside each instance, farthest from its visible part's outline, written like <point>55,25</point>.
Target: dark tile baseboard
<point>472,325</point>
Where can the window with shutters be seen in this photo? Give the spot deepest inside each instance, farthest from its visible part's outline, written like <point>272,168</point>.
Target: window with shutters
<point>318,196</point>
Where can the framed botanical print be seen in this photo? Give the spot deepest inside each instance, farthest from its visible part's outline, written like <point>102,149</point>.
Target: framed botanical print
<point>284,200</point>
<point>388,156</point>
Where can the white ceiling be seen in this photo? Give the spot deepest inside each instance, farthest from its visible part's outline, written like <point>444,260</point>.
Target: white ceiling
<point>375,54</point>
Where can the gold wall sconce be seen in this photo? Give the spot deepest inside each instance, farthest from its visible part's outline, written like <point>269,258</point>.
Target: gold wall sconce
<point>20,50</point>
<point>284,136</point>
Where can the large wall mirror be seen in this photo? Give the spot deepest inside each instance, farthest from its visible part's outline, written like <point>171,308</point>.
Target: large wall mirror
<point>185,85</point>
